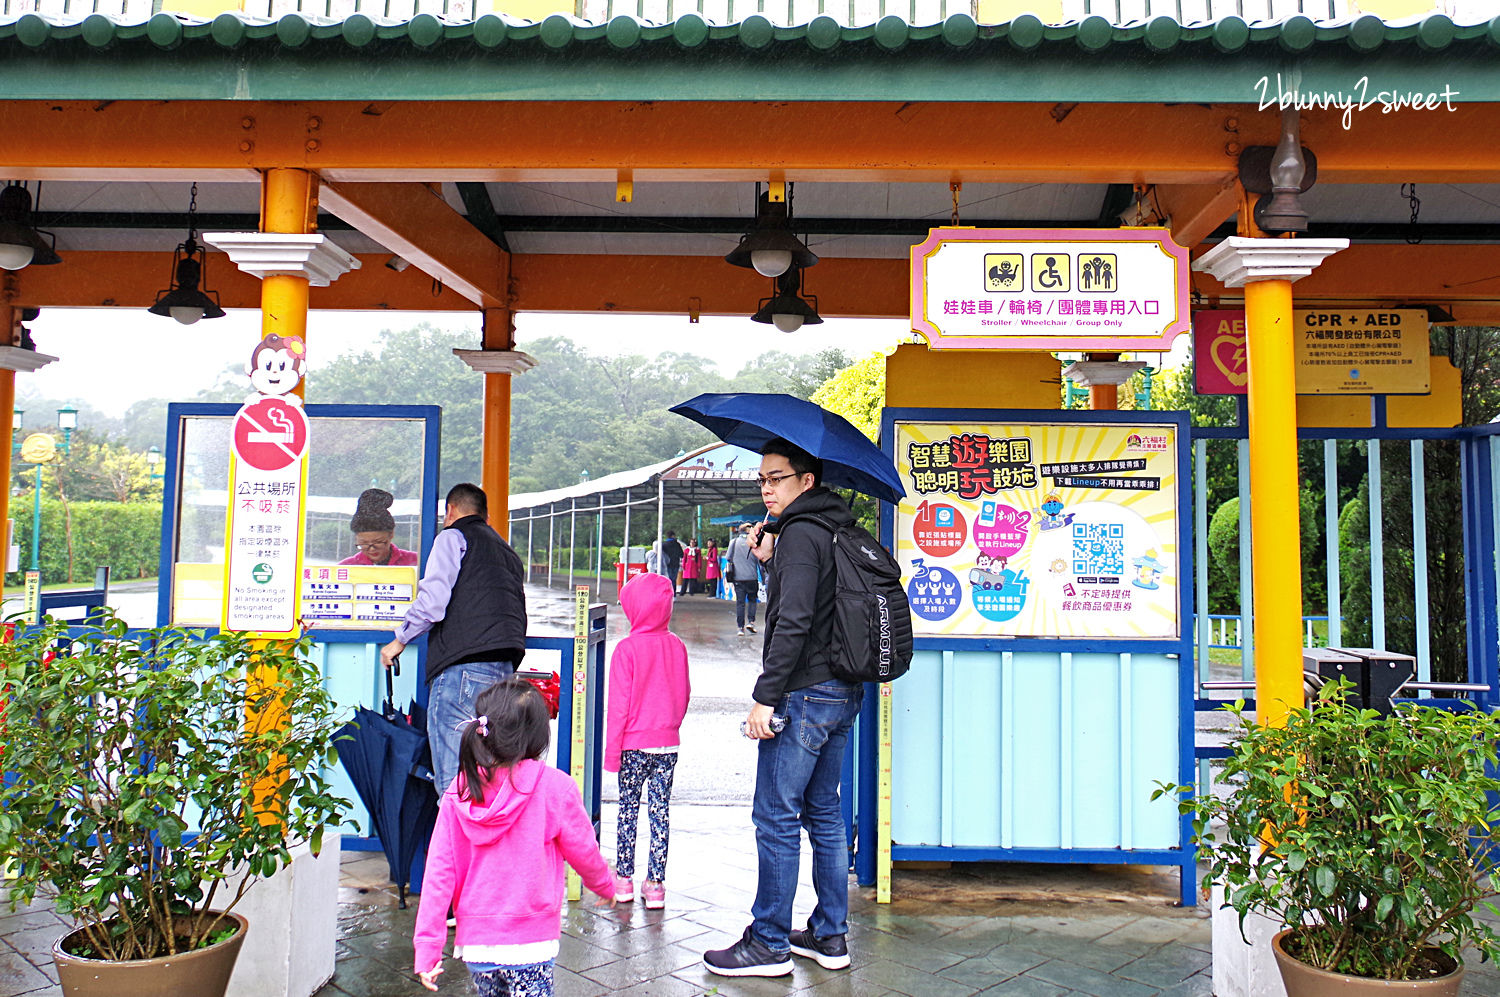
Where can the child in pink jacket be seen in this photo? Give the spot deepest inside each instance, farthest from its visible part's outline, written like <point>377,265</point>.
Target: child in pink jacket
<point>504,829</point>
<point>648,697</point>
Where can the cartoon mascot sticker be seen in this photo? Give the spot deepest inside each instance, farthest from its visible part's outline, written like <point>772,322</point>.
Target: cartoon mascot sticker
<point>276,366</point>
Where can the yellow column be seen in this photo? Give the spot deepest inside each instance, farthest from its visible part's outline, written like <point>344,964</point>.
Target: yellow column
<point>499,334</point>
<point>1276,540</point>
<point>288,203</point>
<point>1104,397</point>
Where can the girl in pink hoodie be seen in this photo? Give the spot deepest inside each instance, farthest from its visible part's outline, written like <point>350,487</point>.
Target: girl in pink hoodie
<point>504,829</point>
<point>648,697</point>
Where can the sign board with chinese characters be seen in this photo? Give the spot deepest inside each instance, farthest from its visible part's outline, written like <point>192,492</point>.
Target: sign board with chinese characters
<point>1044,529</point>
<point>264,525</point>
<point>357,596</point>
<point>1337,351</point>
<point>1049,289</point>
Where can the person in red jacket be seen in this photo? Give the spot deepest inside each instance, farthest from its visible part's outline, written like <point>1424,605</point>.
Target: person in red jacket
<point>505,826</point>
<point>648,697</point>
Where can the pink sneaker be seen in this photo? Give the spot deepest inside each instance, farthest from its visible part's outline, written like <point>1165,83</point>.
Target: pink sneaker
<point>624,889</point>
<point>655,895</point>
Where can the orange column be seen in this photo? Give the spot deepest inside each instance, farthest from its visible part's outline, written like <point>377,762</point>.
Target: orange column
<point>288,203</point>
<point>499,334</point>
<point>8,318</point>
<point>1104,397</point>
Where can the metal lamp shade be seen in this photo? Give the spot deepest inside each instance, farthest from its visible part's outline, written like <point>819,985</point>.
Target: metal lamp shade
<point>787,309</point>
<point>17,234</point>
<point>772,233</point>
<point>183,301</point>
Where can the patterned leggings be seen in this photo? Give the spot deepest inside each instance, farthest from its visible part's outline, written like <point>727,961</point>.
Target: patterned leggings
<point>516,981</point>
<point>637,768</point>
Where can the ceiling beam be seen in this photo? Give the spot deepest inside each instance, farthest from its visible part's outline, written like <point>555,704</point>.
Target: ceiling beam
<point>416,224</point>
<point>1463,279</point>
<point>534,141</point>
<point>1197,211</point>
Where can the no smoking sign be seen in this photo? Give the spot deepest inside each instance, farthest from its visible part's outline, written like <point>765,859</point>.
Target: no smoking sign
<point>270,434</point>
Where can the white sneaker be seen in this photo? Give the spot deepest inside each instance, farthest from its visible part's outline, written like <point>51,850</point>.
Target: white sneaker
<point>750,627</point>
<point>742,631</point>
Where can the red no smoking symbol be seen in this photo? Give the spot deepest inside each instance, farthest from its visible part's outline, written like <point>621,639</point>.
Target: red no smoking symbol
<point>270,434</point>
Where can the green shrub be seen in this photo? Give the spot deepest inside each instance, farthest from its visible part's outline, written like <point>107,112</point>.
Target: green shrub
<point>124,535</point>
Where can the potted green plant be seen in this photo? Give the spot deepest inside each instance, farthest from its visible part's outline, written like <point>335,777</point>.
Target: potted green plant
<point>1369,839</point>
<point>153,777</point>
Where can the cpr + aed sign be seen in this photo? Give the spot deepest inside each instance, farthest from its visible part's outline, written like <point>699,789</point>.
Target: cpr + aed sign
<point>1337,352</point>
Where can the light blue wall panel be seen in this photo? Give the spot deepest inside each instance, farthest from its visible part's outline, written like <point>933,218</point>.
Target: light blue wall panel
<point>1094,783</point>
<point>1036,721</point>
<point>1035,750</point>
<point>1154,749</point>
<point>917,749</point>
<point>972,778</point>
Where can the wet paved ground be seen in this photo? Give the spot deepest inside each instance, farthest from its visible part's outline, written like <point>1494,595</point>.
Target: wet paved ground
<point>1028,931</point>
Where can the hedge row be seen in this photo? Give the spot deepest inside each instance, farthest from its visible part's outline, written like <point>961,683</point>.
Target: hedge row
<point>124,535</point>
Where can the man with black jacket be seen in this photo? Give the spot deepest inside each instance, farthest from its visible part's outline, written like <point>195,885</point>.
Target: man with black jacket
<point>802,716</point>
<point>472,606</point>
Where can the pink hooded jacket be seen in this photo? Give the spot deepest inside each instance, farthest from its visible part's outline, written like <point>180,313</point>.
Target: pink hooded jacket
<point>500,862</point>
<point>648,674</point>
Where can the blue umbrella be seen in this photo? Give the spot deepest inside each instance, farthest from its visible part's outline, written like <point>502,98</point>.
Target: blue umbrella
<point>389,762</point>
<point>750,420</point>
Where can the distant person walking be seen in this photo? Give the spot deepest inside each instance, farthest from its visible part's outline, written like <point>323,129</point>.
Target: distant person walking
<point>743,572</point>
<point>669,556</point>
<point>691,567</point>
<point>472,605</point>
<point>711,568</point>
<point>648,698</point>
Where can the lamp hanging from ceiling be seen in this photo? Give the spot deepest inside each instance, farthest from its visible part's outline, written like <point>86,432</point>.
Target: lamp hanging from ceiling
<point>787,309</point>
<point>769,247</point>
<point>21,244</point>
<point>184,300</point>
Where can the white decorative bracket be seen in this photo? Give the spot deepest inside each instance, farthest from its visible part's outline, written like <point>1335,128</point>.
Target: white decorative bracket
<point>497,361</point>
<point>1087,373</point>
<point>264,254</point>
<point>1239,260</point>
<point>15,358</point>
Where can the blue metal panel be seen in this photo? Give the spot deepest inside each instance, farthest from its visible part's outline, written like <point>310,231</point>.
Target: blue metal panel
<point>971,782</point>
<point>1092,791</point>
<point>1155,681</point>
<point>1036,730</point>
<point>916,752</point>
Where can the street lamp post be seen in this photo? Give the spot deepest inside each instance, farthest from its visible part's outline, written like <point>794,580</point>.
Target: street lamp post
<point>153,461</point>
<point>67,421</point>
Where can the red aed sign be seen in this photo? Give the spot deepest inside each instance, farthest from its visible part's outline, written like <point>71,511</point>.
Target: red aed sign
<point>270,433</point>
<point>1219,366</point>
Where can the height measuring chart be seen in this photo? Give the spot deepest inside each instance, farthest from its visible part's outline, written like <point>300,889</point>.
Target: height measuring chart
<point>1040,530</point>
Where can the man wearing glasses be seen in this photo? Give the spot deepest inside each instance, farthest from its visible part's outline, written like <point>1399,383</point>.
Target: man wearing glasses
<point>802,716</point>
<point>472,606</point>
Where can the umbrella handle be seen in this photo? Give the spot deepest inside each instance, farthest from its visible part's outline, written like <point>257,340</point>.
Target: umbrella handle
<point>390,692</point>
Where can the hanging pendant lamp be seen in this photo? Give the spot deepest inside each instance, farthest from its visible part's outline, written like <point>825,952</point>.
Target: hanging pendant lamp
<point>770,248</point>
<point>787,309</point>
<point>183,300</point>
<point>21,244</point>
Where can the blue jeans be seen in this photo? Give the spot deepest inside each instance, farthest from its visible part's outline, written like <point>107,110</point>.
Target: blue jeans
<point>450,700</point>
<point>745,594</point>
<point>797,786</point>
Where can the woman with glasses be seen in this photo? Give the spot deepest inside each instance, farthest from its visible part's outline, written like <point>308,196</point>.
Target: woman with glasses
<point>373,527</point>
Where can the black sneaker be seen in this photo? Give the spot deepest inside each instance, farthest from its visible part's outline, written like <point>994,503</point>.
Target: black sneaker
<point>747,957</point>
<point>830,953</point>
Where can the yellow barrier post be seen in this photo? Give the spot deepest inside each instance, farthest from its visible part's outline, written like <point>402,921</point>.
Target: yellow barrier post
<point>580,710</point>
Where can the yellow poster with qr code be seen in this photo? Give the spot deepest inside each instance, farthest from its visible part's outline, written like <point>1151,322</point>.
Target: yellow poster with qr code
<point>1041,530</point>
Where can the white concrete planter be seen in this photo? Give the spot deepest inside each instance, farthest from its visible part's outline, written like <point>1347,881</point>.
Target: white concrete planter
<point>1240,969</point>
<point>289,951</point>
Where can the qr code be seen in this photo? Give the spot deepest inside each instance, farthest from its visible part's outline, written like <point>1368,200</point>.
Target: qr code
<point>1098,548</point>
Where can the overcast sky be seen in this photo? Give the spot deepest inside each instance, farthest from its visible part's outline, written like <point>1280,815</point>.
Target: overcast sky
<point>112,357</point>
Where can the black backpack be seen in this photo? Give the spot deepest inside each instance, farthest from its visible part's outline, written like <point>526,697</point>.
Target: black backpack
<point>871,617</point>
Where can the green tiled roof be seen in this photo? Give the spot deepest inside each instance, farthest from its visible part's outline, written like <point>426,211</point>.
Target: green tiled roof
<point>1026,33</point>
<point>562,58</point>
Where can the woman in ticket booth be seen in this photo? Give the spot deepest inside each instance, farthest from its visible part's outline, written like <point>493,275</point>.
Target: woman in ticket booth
<point>373,527</point>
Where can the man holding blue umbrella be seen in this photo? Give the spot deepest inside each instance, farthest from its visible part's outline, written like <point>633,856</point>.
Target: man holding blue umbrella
<point>802,717</point>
